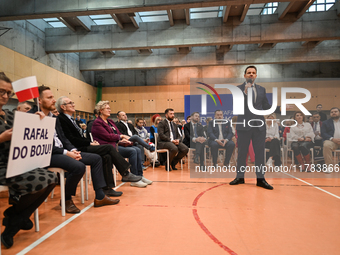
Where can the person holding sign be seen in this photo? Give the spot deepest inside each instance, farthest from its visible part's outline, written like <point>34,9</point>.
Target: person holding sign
<point>28,190</point>
<point>66,156</point>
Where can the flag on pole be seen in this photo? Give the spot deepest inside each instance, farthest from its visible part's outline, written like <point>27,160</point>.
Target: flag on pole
<point>26,88</point>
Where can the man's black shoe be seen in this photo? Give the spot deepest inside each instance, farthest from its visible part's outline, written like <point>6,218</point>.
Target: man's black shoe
<point>113,193</point>
<point>166,168</point>
<point>237,181</point>
<point>173,166</point>
<point>262,183</point>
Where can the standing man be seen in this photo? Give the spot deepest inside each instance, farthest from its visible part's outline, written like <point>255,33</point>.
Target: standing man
<point>168,139</point>
<point>330,132</point>
<point>323,116</point>
<point>248,133</point>
<point>220,136</point>
<point>195,138</point>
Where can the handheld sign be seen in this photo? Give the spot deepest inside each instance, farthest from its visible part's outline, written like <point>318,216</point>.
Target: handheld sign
<point>31,145</point>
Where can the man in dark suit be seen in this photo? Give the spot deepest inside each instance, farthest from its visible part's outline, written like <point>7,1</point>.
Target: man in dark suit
<point>67,157</point>
<point>323,116</point>
<point>330,132</point>
<point>168,139</point>
<point>220,136</point>
<point>109,154</point>
<point>246,132</point>
<point>316,125</point>
<point>194,137</point>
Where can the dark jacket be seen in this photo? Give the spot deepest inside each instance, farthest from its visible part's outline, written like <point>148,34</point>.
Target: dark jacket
<point>189,132</point>
<point>72,134</point>
<point>261,103</point>
<point>327,129</point>
<point>164,131</point>
<point>213,132</point>
<point>122,128</point>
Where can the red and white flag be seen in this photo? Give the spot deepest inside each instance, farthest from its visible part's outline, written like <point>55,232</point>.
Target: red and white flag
<point>26,88</point>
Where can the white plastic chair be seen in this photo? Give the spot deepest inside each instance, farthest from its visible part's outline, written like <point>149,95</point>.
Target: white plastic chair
<point>160,151</point>
<point>62,187</point>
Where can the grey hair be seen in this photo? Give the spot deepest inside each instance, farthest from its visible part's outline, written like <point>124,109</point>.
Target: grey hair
<point>60,101</point>
<point>100,105</point>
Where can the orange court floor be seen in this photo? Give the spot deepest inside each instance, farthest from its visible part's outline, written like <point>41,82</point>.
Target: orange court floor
<point>182,215</point>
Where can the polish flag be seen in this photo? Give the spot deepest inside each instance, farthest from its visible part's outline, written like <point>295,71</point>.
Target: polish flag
<point>26,88</point>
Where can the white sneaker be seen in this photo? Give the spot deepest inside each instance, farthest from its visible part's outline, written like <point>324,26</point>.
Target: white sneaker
<point>138,184</point>
<point>328,170</point>
<point>269,162</point>
<point>146,181</point>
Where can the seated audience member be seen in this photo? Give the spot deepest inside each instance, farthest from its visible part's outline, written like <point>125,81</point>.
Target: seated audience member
<point>323,116</point>
<point>28,190</point>
<point>183,122</point>
<point>108,153</point>
<point>23,106</point>
<point>220,136</point>
<point>78,120</point>
<point>273,141</point>
<point>90,123</point>
<point>141,130</point>
<point>316,125</point>
<point>55,112</point>
<point>153,129</point>
<point>188,119</point>
<point>106,132</point>
<point>66,156</point>
<point>302,137</point>
<point>168,138</point>
<point>330,132</point>
<point>310,120</point>
<point>127,129</point>
<point>195,138</point>
<point>83,128</point>
<point>205,128</point>
<point>180,129</point>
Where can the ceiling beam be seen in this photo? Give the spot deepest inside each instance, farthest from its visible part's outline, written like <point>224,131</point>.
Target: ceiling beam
<point>39,9</point>
<point>226,10</point>
<point>293,52</point>
<point>214,32</point>
<point>171,18</point>
<point>283,9</point>
<point>187,16</point>
<point>244,12</point>
<point>119,23</point>
<point>135,19</point>
<point>66,23</point>
<point>304,9</point>
<point>86,22</point>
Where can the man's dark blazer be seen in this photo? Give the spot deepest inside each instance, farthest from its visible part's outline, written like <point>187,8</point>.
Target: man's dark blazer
<point>261,103</point>
<point>72,134</point>
<point>122,128</point>
<point>163,130</point>
<point>314,122</point>
<point>327,129</point>
<point>66,143</point>
<point>189,132</point>
<point>214,132</point>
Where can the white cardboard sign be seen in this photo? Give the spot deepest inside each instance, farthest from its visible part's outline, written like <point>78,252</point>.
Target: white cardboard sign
<point>31,144</point>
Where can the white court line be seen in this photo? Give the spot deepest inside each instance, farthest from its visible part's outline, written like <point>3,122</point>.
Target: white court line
<point>329,193</point>
<point>49,234</point>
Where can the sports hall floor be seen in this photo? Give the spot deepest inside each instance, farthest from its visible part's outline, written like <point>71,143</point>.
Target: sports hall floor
<point>181,215</point>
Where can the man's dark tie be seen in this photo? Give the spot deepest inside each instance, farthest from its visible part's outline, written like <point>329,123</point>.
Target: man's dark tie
<point>195,130</point>
<point>77,127</point>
